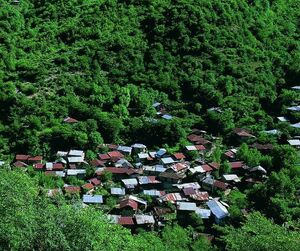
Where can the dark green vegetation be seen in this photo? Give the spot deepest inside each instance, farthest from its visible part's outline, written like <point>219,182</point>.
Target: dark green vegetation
<point>105,63</point>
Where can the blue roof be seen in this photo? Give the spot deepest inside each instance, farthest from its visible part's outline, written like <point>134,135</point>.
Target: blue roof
<point>218,210</point>
<point>161,152</point>
<point>96,199</point>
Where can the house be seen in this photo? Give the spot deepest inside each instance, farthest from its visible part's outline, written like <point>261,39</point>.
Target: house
<point>22,157</point>
<point>172,197</point>
<point>199,196</point>
<point>126,221</point>
<point>95,181</point>
<point>187,191</point>
<point>218,210</point>
<point>125,149</point>
<point>104,157</point>
<point>130,183</point>
<point>157,106</point>
<point>117,191</point>
<point>70,120</point>
<point>200,169</point>
<point>76,160</point>
<point>167,116</point>
<point>243,133</point>
<point>167,161</point>
<point>179,156</point>
<point>191,148</point>
<point>146,180</point>
<point>138,148</point>
<point>155,170</point>
<point>20,164</point>
<point>61,154</point>
<point>296,88</point>
<point>171,177</point>
<point>230,154</point>
<point>154,193</point>
<point>143,156</point>
<point>294,108</point>
<point>115,155</point>
<point>76,153</point>
<point>123,163</point>
<point>209,183</point>
<point>179,167</point>
<point>282,119</point>
<point>92,199</point>
<point>203,213</point>
<point>186,206</point>
<point>194,185</point>
<point>35,159</point>
<point>262,147</point>
<point>294,142</point>
<point>97,163</point>
<point>160,152</point>
<point>273,131</point>
<point>72,189</point>
<point>76,172</point>
<point>39,166</point>
<point>231,178</point>
<point>258,169</point>
<point>236,165</point>
<point>129,204</point>
<point>87,187</point>
<point>143,219</point>
<point>214,165</point>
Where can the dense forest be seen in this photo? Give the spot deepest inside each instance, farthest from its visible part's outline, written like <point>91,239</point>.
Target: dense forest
<point>105,63</point>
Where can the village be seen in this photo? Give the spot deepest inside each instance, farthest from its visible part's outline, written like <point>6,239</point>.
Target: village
<point>140,187</point>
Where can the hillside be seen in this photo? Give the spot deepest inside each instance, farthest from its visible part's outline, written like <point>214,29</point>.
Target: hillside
<point>96,74</point>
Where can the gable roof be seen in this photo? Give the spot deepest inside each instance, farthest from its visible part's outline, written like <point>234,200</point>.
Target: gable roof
<point>125,220</point>
<point>129,203</point>
<point>70,120</point>
<point>144,219</point>
<point>179,156</point>
<point>236,164</point>
<point>217,209</point>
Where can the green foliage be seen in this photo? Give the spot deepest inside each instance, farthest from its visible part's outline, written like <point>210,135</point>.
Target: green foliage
<point>259,233</point>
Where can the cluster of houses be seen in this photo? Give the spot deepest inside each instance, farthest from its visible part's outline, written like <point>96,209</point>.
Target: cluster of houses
<point>150,187</point>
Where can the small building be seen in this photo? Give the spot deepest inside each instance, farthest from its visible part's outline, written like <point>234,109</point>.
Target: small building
<point>203,213</point>
<point>22,157</point>
<point>34,159</point>
<point>294,142</point>
<point>167,116</point>
<point>92,199</point>
<point>167,161</point>
<point>160,152</point>
<point>138,148</point>
<point>72,189</point>
<point>125,149</point>
<point>117,191</point>
<point>186,206</point>
<point>179,156</point>
<point>70,120</point>
<point>154,193</point>
<point>218,210</point>
<point>231,178</point>
<point>76,172</point>
<point>130,183</point>
<point>144,219</point>
<point>171,177</point>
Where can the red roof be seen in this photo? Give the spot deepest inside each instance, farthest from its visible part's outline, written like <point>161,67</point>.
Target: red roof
<point>189,191</point>
<point>70,120</point>
<point>112,146</point>
<point>129,203</point>
<point>35,158</point>
<point>117,170</point>
<point>39,166</point>
<point>103,156</point>
<point>95,181</point>
<point>179,167</point>
<point>22,157</point>
<point>179,155</point>
<point>97,162</point>
<point>58,166</point>
<point>72,189</point>
<point>242,132</point>
<point>87,186</point>
<point>206,168</point>
<point>194,138</point>
<point>200,196</point>
<point>200,147</point>
<point>229,154</point>
<point>214,165</point>
<point>236,164</point>
<point>124,220</point>
<point>220,184</point>
<point>20,164</point>
<point>116,154</point>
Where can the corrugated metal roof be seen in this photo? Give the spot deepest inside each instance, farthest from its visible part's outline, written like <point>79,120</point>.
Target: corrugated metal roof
<point>203,213</point>
<point>93,199</point>
<point>186,206</point>
<point>218,210</point>
<point>144,219</point>
<point>117,191</point>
